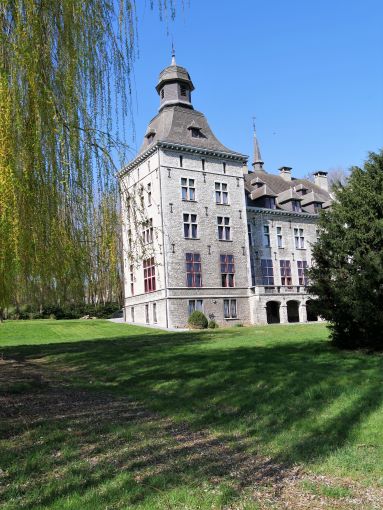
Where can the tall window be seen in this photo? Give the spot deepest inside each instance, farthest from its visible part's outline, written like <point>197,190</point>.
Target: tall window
<point>195,304</point>
<point>203,164</point>
<point>183,90</point>
<point>181,161</point>
<point>302,268</point>
<point>250,235</point>
<point>188,189</point>
<point>223,228</point>
<point>190,226</point>
<point>147,320</point>
<point>285,272</point>
<point>149,193</point>
<point>279,237</point>
<point>193,270</point>
<point>221,193</point>
<point>267,272</point>
<point>296,206</point>
<point>266,236</point>
<point>131,271</point>
<point>299,238</point>
<point>227,270</point>
<point>147,233</point>
<point>132,314</point>
<point>149,275</point>
<point>154,312</point>
<point>270,203</point>
<point>230,308</point>
<point>224,167</point>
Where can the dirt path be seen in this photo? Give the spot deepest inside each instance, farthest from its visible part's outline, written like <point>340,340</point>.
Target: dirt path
<point>41,395</point>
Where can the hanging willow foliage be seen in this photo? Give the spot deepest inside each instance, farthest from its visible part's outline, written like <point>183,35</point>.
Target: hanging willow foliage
<point>65,67</point>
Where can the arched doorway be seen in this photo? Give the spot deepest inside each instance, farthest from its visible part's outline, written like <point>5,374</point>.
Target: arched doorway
<point>292,311</point>
<point>312,315</point>
<point>272,312</point>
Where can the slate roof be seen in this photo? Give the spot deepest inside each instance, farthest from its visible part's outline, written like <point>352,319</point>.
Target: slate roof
<point>172,124</point>
<point>284,188</point>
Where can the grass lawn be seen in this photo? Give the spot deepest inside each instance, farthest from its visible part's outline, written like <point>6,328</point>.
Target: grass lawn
<point>98,415</point>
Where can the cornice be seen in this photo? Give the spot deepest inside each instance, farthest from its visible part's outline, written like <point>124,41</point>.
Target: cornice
<point>278,212</point>
<point>183,148</point>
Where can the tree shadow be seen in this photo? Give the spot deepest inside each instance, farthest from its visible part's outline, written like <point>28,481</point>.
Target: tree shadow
<point>298,401</point>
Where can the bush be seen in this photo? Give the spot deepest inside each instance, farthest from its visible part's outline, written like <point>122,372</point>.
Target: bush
<point>197,320</point>
<point>212,324</point>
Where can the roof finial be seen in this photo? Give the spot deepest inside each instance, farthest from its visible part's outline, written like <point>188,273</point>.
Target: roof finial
<point>173,55</point>
<point>257,163</point>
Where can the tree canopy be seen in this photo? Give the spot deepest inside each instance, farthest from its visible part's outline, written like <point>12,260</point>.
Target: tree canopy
<point>347,275</point>
<point>64,69</point>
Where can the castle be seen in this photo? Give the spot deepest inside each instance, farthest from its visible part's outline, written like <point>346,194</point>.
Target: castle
<point>203,232</point>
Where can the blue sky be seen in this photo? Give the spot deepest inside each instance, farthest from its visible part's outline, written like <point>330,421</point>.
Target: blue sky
<point>310,72</point>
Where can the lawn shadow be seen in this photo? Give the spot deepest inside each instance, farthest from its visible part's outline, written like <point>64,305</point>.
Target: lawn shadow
<point>294,402</point>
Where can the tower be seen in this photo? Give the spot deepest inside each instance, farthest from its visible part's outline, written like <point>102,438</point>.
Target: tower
<point>184,214</point>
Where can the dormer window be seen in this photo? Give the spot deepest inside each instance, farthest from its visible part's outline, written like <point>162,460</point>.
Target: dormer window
<point>183,90</point>
<point>296,205</point>
<point>150,138</point>
<point>270,203</point>
<point>317,207</point>
<point>195,133</point>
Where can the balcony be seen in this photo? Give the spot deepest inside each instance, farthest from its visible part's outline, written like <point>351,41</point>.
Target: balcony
<point>280,289</point>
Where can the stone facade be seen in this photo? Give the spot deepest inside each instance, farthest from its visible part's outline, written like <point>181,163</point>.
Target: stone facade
<point>199,229</point>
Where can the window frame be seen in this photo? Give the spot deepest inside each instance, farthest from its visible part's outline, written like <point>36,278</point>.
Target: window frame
<point>221,193</point>
<point>302,267</point>
<point>190,226</point>
<point>149,267</point>
<point>188,189</point>
<point>230,306</point>
<point>267,272</point>
<point>224,228</point>
<point>266,236</point>
<point>285,273</point>
<point>227,268</point>
<point>299,238</point>
<point>193,266</point>
<point>198,305</point>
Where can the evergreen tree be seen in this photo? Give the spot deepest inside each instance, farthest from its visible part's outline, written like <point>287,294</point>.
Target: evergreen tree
<point>347,273</point>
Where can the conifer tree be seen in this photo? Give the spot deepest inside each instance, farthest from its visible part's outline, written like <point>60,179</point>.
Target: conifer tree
<point>347,274</point>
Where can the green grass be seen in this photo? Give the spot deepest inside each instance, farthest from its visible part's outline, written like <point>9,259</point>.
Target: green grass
<point>280,391</point>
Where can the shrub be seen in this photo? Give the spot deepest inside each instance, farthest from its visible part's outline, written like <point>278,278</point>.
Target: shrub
<point>212,324</point>
<point>197,320</point>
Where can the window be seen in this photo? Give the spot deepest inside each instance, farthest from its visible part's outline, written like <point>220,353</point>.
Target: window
<point>203,164</point>
<point>195,304</point>
<point>132,314</point>
<point>147,314</point>
<point>227,270</point>
<point>250,235</point>
<point>253,270</point>
<point>190,226</point>
<point>270,203</point>
<point>296,206</point>
<point>230,308</point>
<point>317,207</point>
<point>150,138</point>
<point>302,267</point>
<point>266,236</point>
<point>224,167</point>
<point>221,193</point>
<point>193,270</point>
<point>267,272</point>
<point>279,237</point>
<point>149,275</point>
<point>196,133</point>
<point>155,313</point>
<point>130,239</point>
<point>223,228</point>
<point>299,239</point>
<point>285,272</point>
<point>162,93</point>
<point>181,161</point>
<point>188,189</point>
<point>183,90</point>
<point>131,271</point>
<point>149,193</point>
<point>147,233</point>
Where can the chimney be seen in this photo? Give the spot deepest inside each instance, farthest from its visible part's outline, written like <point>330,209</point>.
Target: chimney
<point>320,179</point>
<point>285,173</point>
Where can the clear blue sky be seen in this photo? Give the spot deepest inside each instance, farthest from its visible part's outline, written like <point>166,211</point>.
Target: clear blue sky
<point>310,72</point>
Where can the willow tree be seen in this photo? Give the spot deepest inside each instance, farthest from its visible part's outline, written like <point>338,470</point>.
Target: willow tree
<point>65,68</point>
